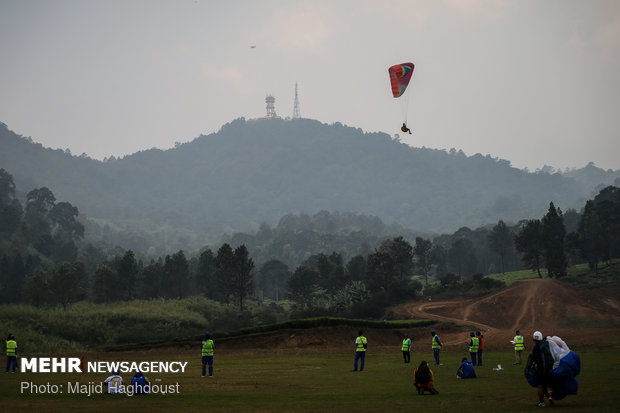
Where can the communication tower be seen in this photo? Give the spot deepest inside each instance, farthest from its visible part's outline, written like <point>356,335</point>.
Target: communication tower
<point>271,106</point>
<point>296,114</point>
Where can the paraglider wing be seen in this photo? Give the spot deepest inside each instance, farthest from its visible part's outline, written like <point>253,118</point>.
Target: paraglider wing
<point>400,75</point>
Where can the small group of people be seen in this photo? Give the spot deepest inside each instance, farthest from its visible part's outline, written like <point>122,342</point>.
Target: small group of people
<point>423,375</point>
<point>540,363</point>
<point>476,347</point>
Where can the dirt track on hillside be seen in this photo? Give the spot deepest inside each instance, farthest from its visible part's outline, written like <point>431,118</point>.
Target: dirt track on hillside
<point>547,305</point>
<point>580,316</point>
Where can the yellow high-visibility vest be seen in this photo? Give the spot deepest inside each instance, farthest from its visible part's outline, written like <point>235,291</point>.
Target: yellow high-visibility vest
<point>475,342</point>
<point>11,348</point>
<point>361,340</point>
<point>519,343</point>
<point>207,347</point>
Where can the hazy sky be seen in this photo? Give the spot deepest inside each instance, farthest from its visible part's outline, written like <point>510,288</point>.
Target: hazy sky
<point>532,81</point>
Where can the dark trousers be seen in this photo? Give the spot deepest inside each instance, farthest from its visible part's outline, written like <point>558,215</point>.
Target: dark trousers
<point>359,355</point>
<point>436,354</point>
<point>11,360</point>
<point>407,356</point>
<point>473,354</point>
<point>480,357</point>
<point>207,360</point>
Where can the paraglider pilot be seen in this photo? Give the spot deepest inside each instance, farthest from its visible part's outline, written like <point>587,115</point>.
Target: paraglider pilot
<point>405,129</point>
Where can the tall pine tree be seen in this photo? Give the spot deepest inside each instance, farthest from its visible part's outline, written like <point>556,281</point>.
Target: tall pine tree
<point>554,233</point>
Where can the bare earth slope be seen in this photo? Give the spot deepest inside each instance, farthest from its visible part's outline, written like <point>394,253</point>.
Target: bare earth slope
<point>581,317</point>
<point>550,306</point>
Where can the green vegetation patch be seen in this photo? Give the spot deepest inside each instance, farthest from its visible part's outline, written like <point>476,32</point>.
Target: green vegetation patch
<point>89,325</point>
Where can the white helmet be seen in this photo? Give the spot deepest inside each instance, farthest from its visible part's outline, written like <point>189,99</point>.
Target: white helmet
<point>538,335</point>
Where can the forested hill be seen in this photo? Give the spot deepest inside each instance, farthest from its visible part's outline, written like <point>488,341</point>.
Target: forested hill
<point>259,170</point>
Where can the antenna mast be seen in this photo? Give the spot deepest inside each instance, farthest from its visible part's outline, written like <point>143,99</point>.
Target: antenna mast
<point>271,108</point>
<point>296,114</point>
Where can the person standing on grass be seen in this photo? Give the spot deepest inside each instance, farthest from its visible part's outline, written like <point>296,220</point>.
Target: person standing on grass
<point>207,354</point>
<point>361,344</point>
<point>11,353</point>
<point>541,362</point>
<point>406,348</point>
<point>436,346</point>
<point>473,344</point>
<point>519,346</point>
<point>480,346</point>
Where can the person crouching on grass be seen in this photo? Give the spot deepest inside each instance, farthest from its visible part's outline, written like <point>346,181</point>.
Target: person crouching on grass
<point>423,379</point>
<point>466,370</point>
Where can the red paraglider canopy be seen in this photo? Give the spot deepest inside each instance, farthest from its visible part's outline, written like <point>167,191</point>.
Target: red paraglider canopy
<point>400,75</point>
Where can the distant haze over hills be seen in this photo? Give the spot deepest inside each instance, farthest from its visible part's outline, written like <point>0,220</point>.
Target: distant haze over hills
<point>260,170</point>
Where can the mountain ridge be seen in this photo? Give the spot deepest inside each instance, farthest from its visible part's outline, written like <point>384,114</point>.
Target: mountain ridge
<point>255,171</point>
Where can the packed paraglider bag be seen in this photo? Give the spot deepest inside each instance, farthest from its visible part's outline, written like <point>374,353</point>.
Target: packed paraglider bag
<point>567,365</point>
<point>530,371</point>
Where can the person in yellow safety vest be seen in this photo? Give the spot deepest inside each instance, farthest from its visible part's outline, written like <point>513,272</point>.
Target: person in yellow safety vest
<point>11,353</point>
<point>474,343</point>
<point>361,344</point>
<point>436,346</point>
<point>519,347</point>
<point>207,354</point>
<point>406,348</point>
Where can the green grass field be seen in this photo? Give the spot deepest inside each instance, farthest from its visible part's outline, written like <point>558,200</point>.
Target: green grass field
<point>321,380</point>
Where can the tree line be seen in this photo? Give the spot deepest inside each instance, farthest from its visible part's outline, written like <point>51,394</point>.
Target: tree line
<point>43,260</point>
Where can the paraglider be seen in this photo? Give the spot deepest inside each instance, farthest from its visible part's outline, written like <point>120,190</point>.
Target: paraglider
<point>400,76</point>
<point>566,365</point>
